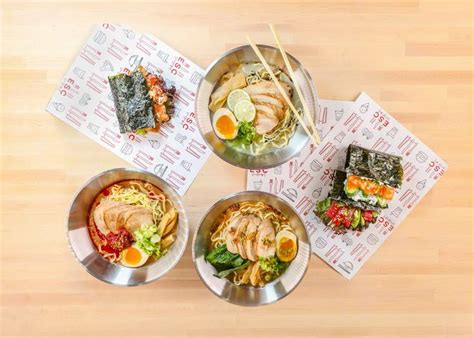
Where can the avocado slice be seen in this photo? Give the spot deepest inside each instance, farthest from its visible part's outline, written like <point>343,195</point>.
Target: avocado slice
<point>350,191</point>
<point>382,202</point>
<point>356,218</point>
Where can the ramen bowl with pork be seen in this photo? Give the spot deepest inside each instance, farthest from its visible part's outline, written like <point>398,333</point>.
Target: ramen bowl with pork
<point>127,227</point>
<point>251,249</point>
<point>242,114</point>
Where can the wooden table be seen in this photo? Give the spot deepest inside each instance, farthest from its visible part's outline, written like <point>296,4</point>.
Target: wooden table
<point>413,57</point>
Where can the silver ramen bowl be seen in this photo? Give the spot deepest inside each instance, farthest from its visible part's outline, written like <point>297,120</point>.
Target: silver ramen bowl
<point>249,295</point>
<point>230,59</point>
<point>84,250</point>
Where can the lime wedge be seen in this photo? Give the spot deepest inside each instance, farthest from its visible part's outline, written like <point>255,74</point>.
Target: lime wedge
<point>236,96</point>
<point>244,111</point>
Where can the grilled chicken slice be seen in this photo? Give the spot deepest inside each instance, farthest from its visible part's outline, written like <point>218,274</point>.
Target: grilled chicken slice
<point>241,233</point>
<point>231,237</point>
<point>267,88</point>
<point>268,105</point>
<point>267,99</point>
<point>251,238</point>
<point>264,122</point>
<point>266,239</point>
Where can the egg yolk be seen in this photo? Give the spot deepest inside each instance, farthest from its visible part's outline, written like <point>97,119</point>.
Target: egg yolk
<point>286,247</point>
<point>225,126</point>
<point>132,256</point>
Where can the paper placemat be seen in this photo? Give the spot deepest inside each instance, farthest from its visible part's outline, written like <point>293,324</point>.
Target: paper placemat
<point>84,101</point>
<point>367,125</point>
<point>276,179</point>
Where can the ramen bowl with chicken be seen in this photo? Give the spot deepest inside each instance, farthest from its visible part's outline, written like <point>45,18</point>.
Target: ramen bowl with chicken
<point>127,227</point>
<point>243,116</point>
<point>251,249</point>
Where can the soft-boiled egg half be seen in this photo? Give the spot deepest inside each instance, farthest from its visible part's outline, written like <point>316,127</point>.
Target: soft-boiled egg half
<point>133,256</point>
<point>286,245</point>
<point>225,124</point>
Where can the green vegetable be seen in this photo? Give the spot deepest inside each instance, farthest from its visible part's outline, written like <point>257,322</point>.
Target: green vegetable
<point>382,201</point>
<point>140,132</point>
<point>147,239</point>
<point>225,273</point>
<point>273,265</point>
<point>222,259</point>
<point>246,132</point>
<point>323,206</point>
<point>356,218</point>
<point>245,135</point>
<point>350,191</point>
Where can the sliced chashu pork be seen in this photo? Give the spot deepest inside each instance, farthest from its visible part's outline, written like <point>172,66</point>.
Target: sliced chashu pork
<point>266,239</point>
<point>241,234</point>
<point>251,238</point>
<point>110,216</point>
<point>231,237</point>
<point>99,213</point>
<point>133,218</point>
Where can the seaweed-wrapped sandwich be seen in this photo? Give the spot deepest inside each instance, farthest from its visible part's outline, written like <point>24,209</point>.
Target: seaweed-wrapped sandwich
<point>359,194</point>
<point>143,101</point>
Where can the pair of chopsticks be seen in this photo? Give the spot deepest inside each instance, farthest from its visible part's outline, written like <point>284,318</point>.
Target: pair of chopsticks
<point>314,135</point>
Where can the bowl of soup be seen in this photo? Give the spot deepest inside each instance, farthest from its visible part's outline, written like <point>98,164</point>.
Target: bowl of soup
<point>251,248</point>
<point>127,227</point>
<point>242,114</point>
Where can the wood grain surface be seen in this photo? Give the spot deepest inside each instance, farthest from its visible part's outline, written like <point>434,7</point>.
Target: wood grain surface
<point>414,57</point>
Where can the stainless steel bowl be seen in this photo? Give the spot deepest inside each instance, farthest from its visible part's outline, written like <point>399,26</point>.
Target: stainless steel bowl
<point>248,295</point>
<point>84,250</point>
<point>224,63</point>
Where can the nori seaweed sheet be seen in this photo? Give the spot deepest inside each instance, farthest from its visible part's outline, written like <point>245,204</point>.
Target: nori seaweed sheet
<point>337,192</point>
<point>133,104</point>
<point>384,168</point>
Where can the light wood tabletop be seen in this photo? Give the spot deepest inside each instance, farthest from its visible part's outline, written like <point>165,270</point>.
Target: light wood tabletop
<point>414,57</point>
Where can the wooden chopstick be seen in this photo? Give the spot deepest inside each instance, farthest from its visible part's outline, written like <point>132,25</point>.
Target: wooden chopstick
<point>295,83</point>
<point>280,88</point>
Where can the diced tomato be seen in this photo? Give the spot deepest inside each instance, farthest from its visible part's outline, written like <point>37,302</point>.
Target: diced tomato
<point>333,210</point>
<point>368,215</point>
